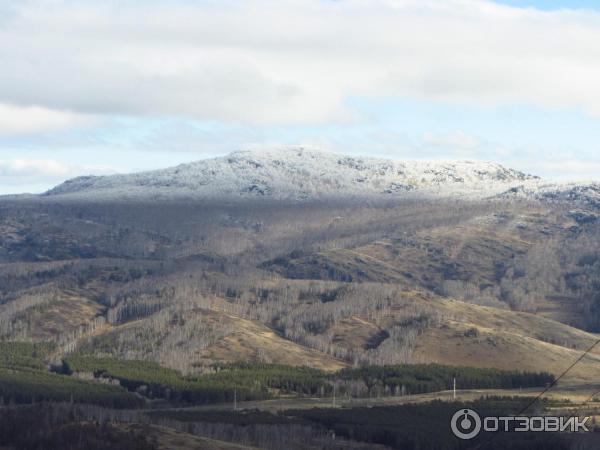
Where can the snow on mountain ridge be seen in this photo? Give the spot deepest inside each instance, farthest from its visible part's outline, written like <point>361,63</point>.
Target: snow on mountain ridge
<point>582,194</point>
<point>299,173</point>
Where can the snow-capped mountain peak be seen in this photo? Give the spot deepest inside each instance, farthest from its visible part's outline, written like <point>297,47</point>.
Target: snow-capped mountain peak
<point>299,173</point>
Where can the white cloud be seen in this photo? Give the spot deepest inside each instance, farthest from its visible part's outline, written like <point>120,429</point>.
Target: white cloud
<point>456,140</point>
<point>34,119</point>
<point>37,175</point>
<point>49,168</point>
<point>42,167</point>
<point>569,169</point>
<point>292,61</point>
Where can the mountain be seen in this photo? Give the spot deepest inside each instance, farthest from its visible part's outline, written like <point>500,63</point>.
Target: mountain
<point>191,301</point>
<point>299,174</point>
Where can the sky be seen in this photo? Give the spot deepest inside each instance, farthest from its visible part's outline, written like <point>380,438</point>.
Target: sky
<point>115,86</point>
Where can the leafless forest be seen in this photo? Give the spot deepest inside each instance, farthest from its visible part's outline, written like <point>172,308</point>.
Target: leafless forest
<point>170,282</point>
<point>178,290</point>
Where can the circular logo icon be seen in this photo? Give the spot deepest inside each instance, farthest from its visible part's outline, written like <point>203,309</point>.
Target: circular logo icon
<point>465,424</point>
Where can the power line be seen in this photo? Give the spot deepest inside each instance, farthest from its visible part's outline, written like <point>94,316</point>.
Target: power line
<point>592,396</point>
<point>585,402</point>
<point>550,386</point>
<point>556,380</point>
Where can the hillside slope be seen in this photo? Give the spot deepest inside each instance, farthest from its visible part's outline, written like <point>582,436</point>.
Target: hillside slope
<point>414,328</point>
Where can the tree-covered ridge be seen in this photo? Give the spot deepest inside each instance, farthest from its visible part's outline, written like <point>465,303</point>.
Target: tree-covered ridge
<point>24,378</point>
<point>24,354</point>
<point>422,378</point>
<point>61,426</point>
<point>32,386</point>
<point>242,381</point>
<point>262,381</point>
<point>411,426</point>
<point>426,425</point>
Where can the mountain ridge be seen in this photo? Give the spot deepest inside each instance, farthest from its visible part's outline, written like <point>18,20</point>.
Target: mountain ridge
<point>299,173</point>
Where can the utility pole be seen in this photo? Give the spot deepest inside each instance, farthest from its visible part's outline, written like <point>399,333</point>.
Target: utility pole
<point>454,388</point>
<point>235,399</point>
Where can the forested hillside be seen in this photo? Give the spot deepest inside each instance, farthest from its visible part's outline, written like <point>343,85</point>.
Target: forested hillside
<point>320,284</point>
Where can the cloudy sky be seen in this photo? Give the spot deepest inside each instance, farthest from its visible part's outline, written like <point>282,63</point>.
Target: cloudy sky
<point>105,86</point>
